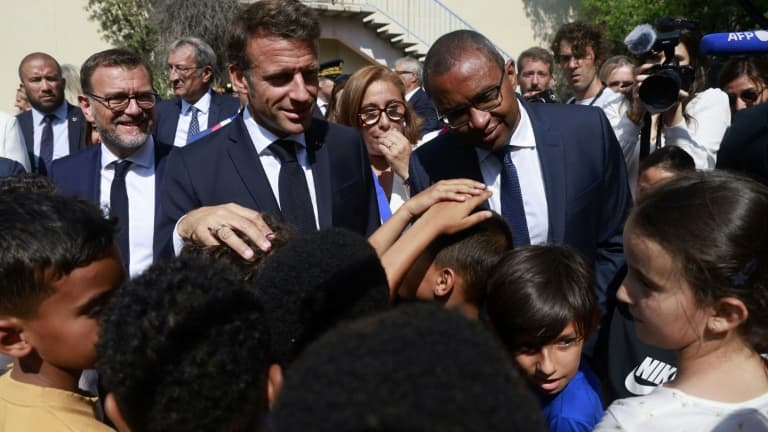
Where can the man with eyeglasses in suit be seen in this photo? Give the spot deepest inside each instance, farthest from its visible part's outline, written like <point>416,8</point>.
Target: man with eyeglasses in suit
<point>195,107</point>
<point>124,171</point>
<point>556,171</point>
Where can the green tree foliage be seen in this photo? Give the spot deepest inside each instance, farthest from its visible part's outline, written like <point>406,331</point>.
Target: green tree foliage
<point>619,17</point>
<point>125,23</point>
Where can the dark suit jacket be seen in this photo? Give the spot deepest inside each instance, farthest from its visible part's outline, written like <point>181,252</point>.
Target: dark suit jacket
<point>76,123</point>
<point>168,111</point>
<point>80,175</point>
<point>9,167</point>
<point>425,109</point>
<point>224,167</point>
<point>745,144</point>
<point>585,180</point>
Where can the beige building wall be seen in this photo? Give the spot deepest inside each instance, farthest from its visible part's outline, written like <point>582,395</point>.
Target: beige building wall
<point>58,27</point>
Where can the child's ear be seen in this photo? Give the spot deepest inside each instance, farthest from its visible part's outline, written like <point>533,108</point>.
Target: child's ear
<point>12,340</point>
<point>113,412</point>
<point>274,384</point>
<point>727,314</point>
<point>444,284</point>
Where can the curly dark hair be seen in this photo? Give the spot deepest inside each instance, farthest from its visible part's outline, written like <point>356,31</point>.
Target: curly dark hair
<point>582,35</point>
<point>315,282</point>
<point>27,182</point>
<point>45,236</point>
<point>418,367</point>
<point>184,347</point>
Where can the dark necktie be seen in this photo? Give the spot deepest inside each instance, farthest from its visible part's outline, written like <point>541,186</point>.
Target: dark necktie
<point>46,144</point>
<point>512,207</point>
<point>295,202</point>
<point>194,124</point>
<point>118,206</point>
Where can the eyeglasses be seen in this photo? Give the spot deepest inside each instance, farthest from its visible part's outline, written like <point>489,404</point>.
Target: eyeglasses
<point>487,100</point>
<point>395,111</point>
<point>120,102</point>
<point>404,72</point>
<point>617,85</point>
<point>182,70</point>
<point>749,96</point>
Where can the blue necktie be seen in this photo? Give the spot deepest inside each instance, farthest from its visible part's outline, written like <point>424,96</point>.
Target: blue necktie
<point>512,207</point>
<point>295,202</point>
<point>194,124</point>
<point>118,207</point>
<point>46,144</point>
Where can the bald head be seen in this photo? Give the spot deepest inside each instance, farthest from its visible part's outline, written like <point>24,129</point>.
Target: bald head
<point>40,76</point>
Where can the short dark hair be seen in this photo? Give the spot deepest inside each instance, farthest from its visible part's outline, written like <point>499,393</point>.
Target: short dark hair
<point>38,56</point>
<point>183,347</point>
<point>247,268</point>
<point>536,291</point>
<point>669,158</point>
<point>115,57</point>
<point>27,182</point>
<point>581,35</point>
<point>315,282</point>
<point>714,223</point>
<point>473,253</point>
<point>289,19</point>
<point>418,367</point>
<point>45,236</point>
<point>450,49</point>
<point>536,53</point>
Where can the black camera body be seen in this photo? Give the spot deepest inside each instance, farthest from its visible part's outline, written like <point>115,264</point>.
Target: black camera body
<point>546,96</point>
<point>660,90</point>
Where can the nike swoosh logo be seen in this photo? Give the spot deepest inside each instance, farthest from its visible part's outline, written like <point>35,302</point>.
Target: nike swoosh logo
<point>635,387</point>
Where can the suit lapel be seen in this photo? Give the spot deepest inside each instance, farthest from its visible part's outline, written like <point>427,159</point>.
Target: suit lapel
<point>76,124</point>
<point>214,109</point>
<point>552,157</point>
<point>159,238</point>
<point>248,166</point>
<point>319,161</point>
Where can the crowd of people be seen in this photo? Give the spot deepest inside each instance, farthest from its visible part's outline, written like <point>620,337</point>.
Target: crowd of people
<point>438,246</point>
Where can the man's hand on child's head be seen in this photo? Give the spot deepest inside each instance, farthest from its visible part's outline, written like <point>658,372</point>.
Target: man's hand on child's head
<point>217,224</point>
<point>448,217</point>
<point>458,190</point>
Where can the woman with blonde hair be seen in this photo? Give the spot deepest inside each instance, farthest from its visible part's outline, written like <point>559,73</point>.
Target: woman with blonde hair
<point>373,102</point>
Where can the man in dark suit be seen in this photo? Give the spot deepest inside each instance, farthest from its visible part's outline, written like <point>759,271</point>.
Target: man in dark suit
<point>745,144</point>
<point>195,107</point>
<point>409,70</point>
<point>557,172</point>
<point>9,167</point>
<point>274,157</point>
<point>52,128</point>
<point>124,172</point>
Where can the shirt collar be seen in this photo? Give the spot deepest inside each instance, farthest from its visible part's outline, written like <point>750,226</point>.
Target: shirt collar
<point>262,137</point>
<point>202,104</point>
<point>144,157</point>
<point>60,113</point>
<point>522,137</point>
<point>410,94</point>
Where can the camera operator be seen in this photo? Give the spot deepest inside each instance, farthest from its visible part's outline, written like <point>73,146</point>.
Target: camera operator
<point>534,74</point>
<point>693,117</point>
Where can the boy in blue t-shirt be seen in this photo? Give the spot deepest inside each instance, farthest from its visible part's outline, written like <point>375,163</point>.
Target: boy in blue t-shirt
<point>542,307</point>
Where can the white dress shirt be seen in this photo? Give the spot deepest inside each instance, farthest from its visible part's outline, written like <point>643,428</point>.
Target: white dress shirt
<point>140,185</point>
<point>528,165</point>
<point>60,131</point>
<point>185,117</point>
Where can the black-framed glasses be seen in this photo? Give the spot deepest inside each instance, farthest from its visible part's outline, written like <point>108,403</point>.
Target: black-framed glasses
<point>618,85</point>
<point>484,101</point>
<point>394,110</point>
<point>120,102</point>
<point>749,96</point>
<point>182,70</point>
